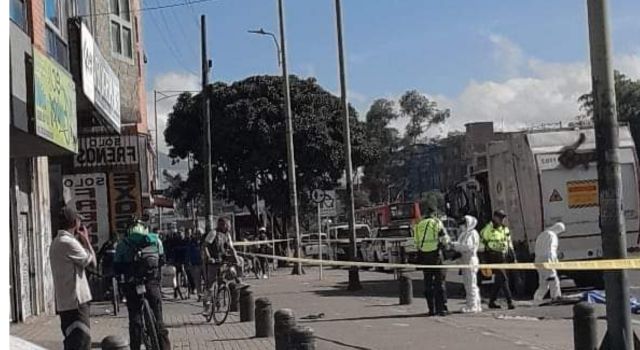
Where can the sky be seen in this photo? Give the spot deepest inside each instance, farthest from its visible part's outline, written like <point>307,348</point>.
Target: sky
<point>517,63</point>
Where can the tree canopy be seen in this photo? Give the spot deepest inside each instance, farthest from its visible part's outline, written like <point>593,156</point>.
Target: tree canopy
<point>627,104</point>
<point>249,146</point>
<point>392,154</point>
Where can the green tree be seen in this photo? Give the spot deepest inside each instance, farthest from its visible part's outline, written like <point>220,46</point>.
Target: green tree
<point>423,114</point>
<point>387,175</point>
<point>627,105</point>
<point>384,141</point>
<point>248,131</point>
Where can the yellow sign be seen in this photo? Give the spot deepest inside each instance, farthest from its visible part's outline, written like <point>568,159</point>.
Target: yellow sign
<point>582,193</point>
<point>55,102</point>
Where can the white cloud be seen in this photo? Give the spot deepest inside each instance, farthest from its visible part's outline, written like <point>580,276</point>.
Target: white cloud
<point>168,86</point>
<point>507,54</point>
<point>539,92</point>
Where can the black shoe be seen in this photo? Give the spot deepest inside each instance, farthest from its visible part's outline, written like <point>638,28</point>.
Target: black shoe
<point>443,313</point>
<point>493,305</point>
<point>511,306</point>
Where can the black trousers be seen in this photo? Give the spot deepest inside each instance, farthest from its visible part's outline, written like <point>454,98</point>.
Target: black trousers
<point>501,282</point>
<point>134,307</point>
<point>434,282</point>
<point>75,327</point>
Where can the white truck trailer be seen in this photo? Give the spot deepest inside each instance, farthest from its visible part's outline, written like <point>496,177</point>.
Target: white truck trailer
<point>543,177</point>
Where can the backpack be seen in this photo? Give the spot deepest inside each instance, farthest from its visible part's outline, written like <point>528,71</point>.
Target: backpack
<point>146,255</point>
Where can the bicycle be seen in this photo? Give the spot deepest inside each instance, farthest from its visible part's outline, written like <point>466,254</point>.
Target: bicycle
<point>150,333</point>
<point>182,282</point>
<point>220,298</point>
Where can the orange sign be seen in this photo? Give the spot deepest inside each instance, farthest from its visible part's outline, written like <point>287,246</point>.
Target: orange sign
<point>582,193</point>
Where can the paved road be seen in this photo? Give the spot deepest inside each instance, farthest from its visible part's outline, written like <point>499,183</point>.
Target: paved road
<point>368,319</point>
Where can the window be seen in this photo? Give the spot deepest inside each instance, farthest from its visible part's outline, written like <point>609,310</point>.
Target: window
<point>18,13</point>
<point>116,43</point>
<point>121,33</point>
<point>56,14</point>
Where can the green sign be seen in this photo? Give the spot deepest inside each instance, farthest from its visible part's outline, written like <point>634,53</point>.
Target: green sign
<point>55,102</point>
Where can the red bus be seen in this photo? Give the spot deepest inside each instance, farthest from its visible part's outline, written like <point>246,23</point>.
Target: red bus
<point>389,214</point>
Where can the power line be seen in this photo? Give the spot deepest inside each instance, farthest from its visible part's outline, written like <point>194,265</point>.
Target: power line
<point>160,7</point>
<point>176,57</point>
<point>180,27</point>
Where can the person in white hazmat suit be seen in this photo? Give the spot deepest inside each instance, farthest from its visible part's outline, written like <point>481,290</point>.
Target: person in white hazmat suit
<point>547,251</point>
<point>467,244</point>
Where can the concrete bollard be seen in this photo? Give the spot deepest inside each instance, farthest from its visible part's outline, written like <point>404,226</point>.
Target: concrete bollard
<point>264,322</point>
<point>235,297</point>
<point>406,290</point>
<point>114,342</point>
<point>283,321</point>
<point>301,338</point>
<point>246,306</point>
<point>585,329</point>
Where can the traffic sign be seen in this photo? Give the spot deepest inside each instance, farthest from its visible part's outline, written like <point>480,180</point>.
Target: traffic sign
<point>328,205</point>
<point>317,195</point>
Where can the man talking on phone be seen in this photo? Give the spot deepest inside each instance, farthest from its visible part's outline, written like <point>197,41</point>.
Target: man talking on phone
<point>70,254</point>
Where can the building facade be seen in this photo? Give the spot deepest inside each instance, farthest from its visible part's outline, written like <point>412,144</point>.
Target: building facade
<point>79,132</point>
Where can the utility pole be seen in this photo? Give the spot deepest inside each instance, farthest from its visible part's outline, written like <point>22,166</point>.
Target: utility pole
<point>354,277</point>
<point>293,191</point>
<point>619,332</point>
<point>206,118</point>
<point>155,112</point>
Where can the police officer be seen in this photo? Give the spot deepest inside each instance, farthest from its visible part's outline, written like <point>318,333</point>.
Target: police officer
<point>148,244</point>
<point>430,238</point>
<point>496,238</point>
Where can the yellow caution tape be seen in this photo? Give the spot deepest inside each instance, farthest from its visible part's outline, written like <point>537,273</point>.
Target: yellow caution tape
<point>250,243</point>
<point>609,264</point>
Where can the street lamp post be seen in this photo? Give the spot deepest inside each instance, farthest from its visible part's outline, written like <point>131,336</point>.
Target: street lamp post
<point>354,277</point>
<point>293,191</point>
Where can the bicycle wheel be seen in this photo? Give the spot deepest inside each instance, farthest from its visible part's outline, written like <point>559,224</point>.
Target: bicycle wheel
<point>150,329</point>
<point>211,300</point>
<point>221,304</point>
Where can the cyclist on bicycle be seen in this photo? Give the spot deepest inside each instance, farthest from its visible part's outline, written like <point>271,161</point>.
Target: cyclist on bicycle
<point>217,249</point>
<point>139,255</point>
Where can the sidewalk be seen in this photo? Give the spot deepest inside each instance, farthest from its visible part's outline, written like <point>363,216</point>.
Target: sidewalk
<point>367,319</point>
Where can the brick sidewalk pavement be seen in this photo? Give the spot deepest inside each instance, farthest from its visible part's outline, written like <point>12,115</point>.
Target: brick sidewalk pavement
<point>367,319</point>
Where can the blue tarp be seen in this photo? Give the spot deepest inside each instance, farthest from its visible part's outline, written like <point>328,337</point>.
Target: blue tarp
<point>599,297</point>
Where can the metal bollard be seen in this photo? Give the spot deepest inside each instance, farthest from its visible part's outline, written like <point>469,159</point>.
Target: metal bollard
<point>585,329</point>
<point>301,338</point>
<point>246,306</point>
<point>283,321</point>
<point>406,290</point>
<point>264,322</point>
<point>114,342</point>
<point>235,297</point>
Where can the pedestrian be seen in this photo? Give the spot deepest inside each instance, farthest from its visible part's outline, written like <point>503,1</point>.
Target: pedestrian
<point>496,239</point>
<point>264,249</point>
<point>547,251</point>
<point>70,255</point>
<point>430,239</point>
<point>139,257</point>
<point>195,264</point>
<point>218,249</point>
<point>467,244</point>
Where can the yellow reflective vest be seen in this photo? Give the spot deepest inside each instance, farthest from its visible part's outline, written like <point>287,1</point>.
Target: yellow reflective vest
<point>425,234</point>
<point>497,239</point>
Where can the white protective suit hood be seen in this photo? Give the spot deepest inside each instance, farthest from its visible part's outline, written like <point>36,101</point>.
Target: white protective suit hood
<point>471,222</point>
<point>557,228</point>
